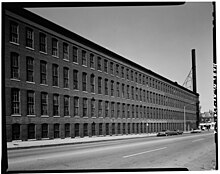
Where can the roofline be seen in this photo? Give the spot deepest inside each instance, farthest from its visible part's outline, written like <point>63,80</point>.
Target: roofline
<point>50,25</point>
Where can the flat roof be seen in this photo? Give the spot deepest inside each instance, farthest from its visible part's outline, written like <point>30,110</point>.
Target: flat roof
<point>52,26</point>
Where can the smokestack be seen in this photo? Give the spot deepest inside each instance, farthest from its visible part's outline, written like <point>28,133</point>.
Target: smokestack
<point>194,70</point>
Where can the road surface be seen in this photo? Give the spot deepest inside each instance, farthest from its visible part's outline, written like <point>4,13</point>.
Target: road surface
<point>181,151</point>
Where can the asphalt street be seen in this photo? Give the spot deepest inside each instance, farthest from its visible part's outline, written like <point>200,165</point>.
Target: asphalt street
<point>181,151</point>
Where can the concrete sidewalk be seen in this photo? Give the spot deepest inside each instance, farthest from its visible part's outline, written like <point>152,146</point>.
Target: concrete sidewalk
<point>56,142</point>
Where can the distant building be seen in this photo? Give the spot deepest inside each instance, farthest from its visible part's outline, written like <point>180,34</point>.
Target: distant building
<point>207,120</point>
<point>59,85</point>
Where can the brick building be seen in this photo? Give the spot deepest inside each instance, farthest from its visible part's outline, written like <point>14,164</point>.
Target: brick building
<point>59,85</point>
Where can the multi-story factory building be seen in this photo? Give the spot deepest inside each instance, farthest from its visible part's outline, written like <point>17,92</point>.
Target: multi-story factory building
<point>59,85</point>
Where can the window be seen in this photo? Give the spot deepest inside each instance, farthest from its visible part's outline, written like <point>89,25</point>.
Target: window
<point>14,66</point>
<point>31,131</point>
<point>44,103</point>
<point>122,72</point>
<point>30,69</point>
<point>133,111</point>
<point>92,83</point>
<point>123,110</point>
<point>75,55</point>
<point>106,108</point>
<point>85,129</point>
<point>128,92</point>
<point>66,105</point>
<point>128,111</point>
<point>99,85</point>
<point>55,74</point>
<point>122,90</point>
<point>117,70</point>
<point>77,130</point>
<point>99,63</point>
<point>15,131</point>
<point>65,51</point>
<point>106,66</point>
<point>117,89</point>
<point>112,88</point>
<point>112,109</point>
<point>67,130</point>
<point>132,92</point>
<point>14,32</point>
<point>140,78</point>
<point>85,107</point>
<point>56,130</point>
<point>75,79</point>
<point>54,47</point>
<point>106,86</point>
<point>30,103</point>
<point>92,64</point>
<point>143,79</point>
<point>140,95</point>
<point>44,130</point>
<point>66,77</point>
<point>29,38</point>
<point>111,68</point>
<point>132,76</point>
<point>56,105</point>
<point>84,81</point>
<point>100,108</point>
<point>136,77</point>
<point>92,107</point>
<point>137,94</point>
<point>84,58</point>
<point>43,72</point>
<point>15,98</point>
<point>118,110</point>
<point>43,42</point>
<point>76,106</point>
<point>136,111</point>
<point>127,74</point>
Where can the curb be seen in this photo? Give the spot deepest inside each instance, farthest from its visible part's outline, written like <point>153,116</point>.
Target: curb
<point>72,143</point>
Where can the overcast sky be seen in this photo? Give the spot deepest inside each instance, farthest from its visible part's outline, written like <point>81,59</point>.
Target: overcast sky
<point>158,38</point>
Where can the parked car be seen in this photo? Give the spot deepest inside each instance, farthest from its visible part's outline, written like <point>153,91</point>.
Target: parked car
<point>179,132</point>
<point>169,133</point>
<point>196,131</point>
<point>162,133</point>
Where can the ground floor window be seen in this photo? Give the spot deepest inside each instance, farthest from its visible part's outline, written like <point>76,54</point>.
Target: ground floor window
<point>113,128</point>
<point>107,128</point>
<point>15,131</point>
<point>56,130</point>
<point>44,130</point>
<point>31,131</point>
<point>100,128</point>
<point>124,128</point>
<point>85,129</point>
<point>67,130</point>
<point>77,130</point>
<point>93,129</point>
<point>119,128</point>
<point>129,129</point>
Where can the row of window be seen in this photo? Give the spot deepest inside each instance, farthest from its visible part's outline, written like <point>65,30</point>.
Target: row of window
<point>116,89</point>
<point>100,64</point>
<point>116,128</point>
<point>104,108</point>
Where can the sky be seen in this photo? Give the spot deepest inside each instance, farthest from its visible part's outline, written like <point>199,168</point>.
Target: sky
<point>157,38</point>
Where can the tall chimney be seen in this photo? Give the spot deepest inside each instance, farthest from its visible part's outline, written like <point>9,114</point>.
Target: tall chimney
<point>194,70</point>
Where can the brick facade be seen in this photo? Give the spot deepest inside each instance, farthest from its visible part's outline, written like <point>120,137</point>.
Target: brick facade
<point>154,102</point>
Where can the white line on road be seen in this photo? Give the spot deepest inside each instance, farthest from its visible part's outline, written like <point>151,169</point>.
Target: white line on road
<point>198,140</point>
<point>144,152</point>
